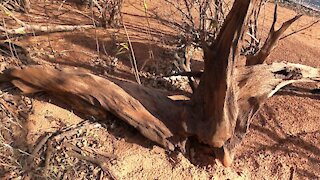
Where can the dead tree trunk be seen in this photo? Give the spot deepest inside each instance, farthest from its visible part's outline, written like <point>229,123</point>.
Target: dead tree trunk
<point>219,112</point>
<point>215,98</point>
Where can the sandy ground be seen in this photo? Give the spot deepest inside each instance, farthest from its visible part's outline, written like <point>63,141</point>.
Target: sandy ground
<point>283,142</point>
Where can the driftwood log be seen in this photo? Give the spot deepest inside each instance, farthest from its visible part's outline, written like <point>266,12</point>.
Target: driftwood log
<point>169,120</point>
<point>219,112</point>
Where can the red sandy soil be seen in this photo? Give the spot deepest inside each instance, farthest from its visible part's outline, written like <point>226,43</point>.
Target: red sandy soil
<point>283,142</point>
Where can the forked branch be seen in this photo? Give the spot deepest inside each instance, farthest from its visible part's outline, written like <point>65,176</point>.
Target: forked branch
<point>215,87</point>
<point>271,41</point>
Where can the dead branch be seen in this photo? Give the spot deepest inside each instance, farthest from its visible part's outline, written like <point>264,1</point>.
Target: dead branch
<point>48,156</point>
<point>196,74</point>
<point>271,40</point>
<point>133,57</point>
<point>40,145</point>
<point>94,159</point>
<point>101,153</point>
<point>103,165</point>
<point>114,99</point>
<point>188,5</point>
<point>38,29</point>
<point>34,154</point>
<point>180,10</point>
<point>253,44</point>
<point>301,29</point>
<point>27,29</point>
<point>70,131</point>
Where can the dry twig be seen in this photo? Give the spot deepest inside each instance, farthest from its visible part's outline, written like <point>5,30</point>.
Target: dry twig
<point>70,131</point>
<point>103,165</point>
<point>48,156</point>
<point>301,29</point>
<point>133,57</point>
